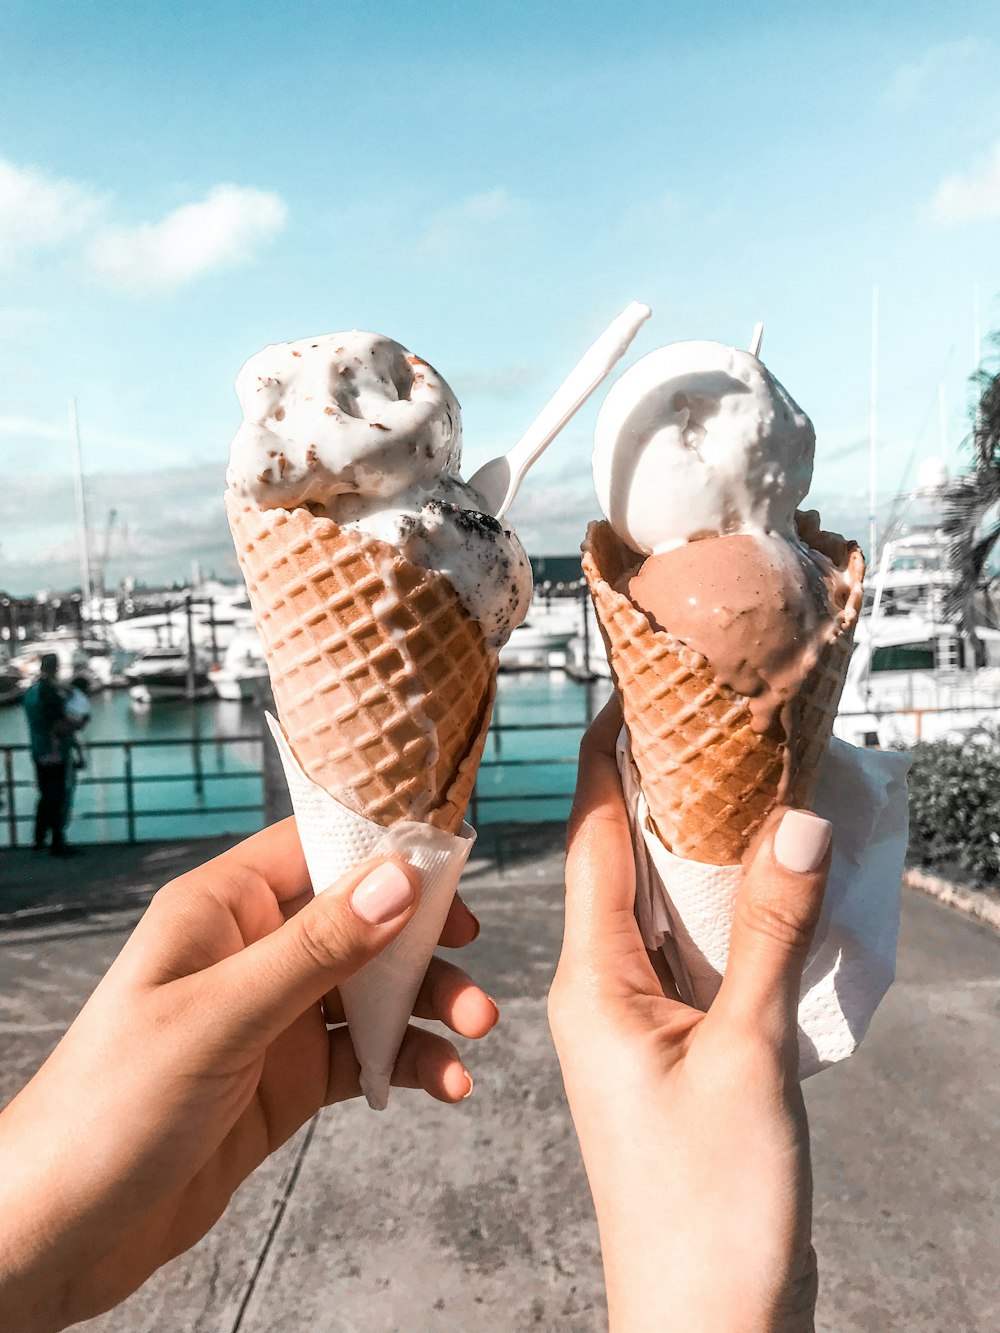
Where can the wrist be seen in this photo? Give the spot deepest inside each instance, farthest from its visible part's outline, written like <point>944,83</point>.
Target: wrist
<point>672,1274</point>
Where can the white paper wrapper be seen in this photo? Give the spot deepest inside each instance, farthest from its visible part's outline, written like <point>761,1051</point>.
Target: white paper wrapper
<point>685,908</point>
<point>378,1000</point>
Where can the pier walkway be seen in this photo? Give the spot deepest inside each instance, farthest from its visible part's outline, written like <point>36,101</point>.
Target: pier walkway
<point>476,1219</point>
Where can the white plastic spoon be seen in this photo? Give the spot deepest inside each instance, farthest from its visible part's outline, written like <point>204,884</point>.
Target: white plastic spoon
<point>499,480</point>
<point>756,338</point>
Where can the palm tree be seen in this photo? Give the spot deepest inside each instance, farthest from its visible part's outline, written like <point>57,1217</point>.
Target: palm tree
<point>968,500</point>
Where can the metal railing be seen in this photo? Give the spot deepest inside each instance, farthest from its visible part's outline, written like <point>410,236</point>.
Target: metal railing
<point>129,782</point>
<point>122,794</point>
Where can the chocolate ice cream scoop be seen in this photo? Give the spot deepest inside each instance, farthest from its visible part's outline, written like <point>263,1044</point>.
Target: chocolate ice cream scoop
<point>758,607</point>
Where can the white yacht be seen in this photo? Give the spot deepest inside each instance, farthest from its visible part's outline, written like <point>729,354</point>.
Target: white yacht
<point>11,682</point>
<point>162,673</point>
<point>542,640</point>
<point>914,674</point>
<point>93,658</point>
<point>218,613</point>
<point>243,670</point>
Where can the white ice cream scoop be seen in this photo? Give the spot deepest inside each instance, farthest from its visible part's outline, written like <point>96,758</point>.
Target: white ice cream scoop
<point>699,438</point>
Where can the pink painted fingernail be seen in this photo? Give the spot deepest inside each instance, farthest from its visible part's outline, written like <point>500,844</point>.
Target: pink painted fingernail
<point>801,841</point>
<point>467,1095</point>
<point>382,895</point>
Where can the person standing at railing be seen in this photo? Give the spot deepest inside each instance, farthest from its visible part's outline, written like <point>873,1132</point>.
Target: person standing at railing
<point>78,713</point>
<point>50,729</point>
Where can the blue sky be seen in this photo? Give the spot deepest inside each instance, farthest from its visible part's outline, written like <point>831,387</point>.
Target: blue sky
<point>183,183</point>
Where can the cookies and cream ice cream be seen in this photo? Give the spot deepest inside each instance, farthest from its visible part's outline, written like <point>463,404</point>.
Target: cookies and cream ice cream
<point>354,427</point>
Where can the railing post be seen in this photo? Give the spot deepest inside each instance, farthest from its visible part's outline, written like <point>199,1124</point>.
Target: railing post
<point>129,794</point>
<point>11,812</point>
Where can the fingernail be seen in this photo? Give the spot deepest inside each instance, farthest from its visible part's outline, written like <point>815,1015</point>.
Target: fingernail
<point>801,841</point>
<point>467,1095</point>
<point>382,895</point>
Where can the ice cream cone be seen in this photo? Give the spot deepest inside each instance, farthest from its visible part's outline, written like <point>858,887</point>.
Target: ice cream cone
<point>709,778</point>
<point>385,692</point>
<point>381,678</point>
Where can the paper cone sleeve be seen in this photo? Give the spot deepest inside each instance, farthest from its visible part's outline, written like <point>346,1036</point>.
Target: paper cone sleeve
<point>709,779</point>
<point>378,1000</point>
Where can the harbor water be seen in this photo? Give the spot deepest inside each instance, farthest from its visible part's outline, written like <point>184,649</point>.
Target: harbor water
<point>175,769</point>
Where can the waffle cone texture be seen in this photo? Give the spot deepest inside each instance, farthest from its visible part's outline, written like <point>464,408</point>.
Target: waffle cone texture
<point>709,779</point>
<point>381,678</point>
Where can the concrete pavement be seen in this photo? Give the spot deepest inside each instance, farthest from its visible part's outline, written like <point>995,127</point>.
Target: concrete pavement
<point>431,1219</point>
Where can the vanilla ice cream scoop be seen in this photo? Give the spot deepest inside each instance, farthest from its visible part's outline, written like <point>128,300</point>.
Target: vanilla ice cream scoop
<point>339,414</point>
<point>355,427</point>
<point>699,439</point>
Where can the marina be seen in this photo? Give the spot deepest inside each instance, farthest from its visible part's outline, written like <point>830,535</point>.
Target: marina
<point>180,768</point>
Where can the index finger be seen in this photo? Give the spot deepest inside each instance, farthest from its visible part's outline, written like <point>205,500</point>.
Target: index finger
<point>276,854</point>
<point>601,932</point>
<point>598,782</point>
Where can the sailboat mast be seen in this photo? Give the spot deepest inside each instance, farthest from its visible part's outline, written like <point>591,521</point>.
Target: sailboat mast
<point>943,423</point>
<point>873,440</point>
<point>82,526</point>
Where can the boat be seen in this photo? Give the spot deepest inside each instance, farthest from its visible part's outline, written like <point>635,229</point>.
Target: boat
<point>12,683</point>
<point>90,657</point>
<point>243,670</point>
<point>915,675</point>
<point>163,673</point>
<point>542,641</point>
<point>218,613</point>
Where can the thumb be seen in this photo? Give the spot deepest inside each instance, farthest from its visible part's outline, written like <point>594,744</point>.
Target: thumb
<point>278,978</point>
<point>777,908</point>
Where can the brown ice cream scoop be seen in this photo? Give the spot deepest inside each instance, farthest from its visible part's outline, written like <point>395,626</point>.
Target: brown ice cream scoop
<point>758,607</point>
<point>709,774</point>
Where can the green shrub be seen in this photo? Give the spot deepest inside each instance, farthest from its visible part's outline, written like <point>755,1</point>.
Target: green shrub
<point>955,806</point>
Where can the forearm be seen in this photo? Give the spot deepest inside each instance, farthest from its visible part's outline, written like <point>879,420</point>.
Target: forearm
<point>57,1221</point>
<point>697,1246</point>
<point>34,1268</point>
<point>672,1290</point>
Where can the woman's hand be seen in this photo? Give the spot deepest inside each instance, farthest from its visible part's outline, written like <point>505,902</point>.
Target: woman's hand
<point>692,1125</point>
<point>201,1051</point>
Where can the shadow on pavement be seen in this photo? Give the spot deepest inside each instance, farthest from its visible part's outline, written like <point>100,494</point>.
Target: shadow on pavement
<point>36,888</point>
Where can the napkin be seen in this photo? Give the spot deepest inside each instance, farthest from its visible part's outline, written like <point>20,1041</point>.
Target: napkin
<point>685,908</point>
<point>378,1000</point>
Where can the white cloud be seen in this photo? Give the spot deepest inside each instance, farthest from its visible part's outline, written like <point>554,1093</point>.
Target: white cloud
<point>453,227</point>
<point>908,81</point>
<point>21,431</point>
<point>39,211</point>
<point>221,231</point>
<point>972,197</point>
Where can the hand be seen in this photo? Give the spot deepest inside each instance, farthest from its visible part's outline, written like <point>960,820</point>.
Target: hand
<point>201,1051</point>
<point>692,1125</point>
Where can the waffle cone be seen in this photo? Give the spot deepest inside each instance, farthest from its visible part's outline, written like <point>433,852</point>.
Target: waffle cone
<point>709,779</point>
<point>381,678</point>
